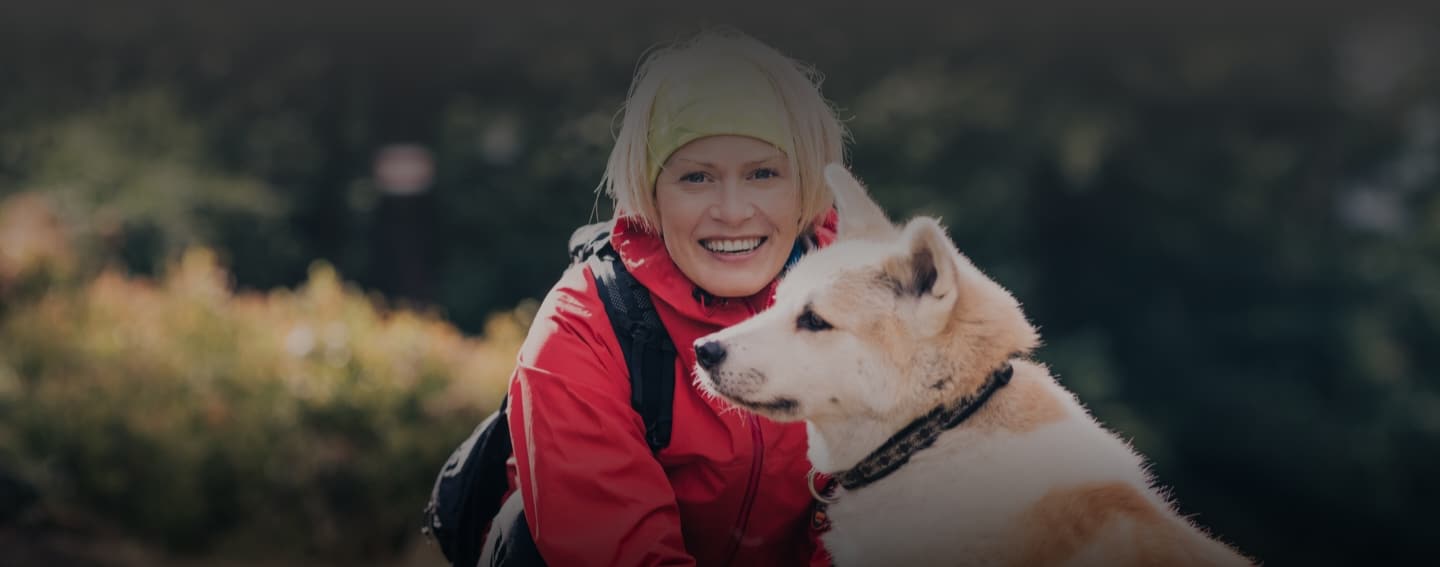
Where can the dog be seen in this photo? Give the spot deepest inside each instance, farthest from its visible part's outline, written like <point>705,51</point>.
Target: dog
<point>949,446</point>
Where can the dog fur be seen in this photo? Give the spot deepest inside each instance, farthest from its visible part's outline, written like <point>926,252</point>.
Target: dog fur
<point>886,324</point>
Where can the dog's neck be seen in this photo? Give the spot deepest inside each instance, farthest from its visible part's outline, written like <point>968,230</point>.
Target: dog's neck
<point>838,446</point>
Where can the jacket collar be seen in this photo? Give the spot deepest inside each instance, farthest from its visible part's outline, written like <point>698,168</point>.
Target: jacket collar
<point>647,259</point>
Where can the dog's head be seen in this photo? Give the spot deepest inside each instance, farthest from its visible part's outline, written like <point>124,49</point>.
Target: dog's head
<point>884,323</point>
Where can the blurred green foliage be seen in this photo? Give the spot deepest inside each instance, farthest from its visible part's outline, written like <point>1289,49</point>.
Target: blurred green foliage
<point>294,423</point>
<point>1229,239</point>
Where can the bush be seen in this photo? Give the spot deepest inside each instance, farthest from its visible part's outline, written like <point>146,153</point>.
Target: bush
<point>306,422</point>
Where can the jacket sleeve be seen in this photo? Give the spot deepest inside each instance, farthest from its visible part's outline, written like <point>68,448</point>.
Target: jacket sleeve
<point>594,493</point>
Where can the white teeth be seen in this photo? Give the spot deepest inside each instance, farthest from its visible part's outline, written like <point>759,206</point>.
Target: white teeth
<point>732,246</point>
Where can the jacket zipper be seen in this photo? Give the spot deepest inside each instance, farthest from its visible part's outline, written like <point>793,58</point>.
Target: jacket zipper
<point>743,521</point>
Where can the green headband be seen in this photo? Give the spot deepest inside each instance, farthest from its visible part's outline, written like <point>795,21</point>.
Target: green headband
<point>728,95</point>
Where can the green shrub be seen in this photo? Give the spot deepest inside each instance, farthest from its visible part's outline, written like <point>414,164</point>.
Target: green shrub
<point>301,423</point>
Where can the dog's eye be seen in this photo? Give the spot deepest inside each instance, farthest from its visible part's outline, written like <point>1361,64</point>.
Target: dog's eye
<point>809,321</point>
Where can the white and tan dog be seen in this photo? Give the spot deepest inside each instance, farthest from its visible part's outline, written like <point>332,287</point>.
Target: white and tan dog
<point>950,447</point>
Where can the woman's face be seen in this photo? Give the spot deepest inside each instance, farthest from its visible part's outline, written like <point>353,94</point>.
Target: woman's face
<point>729,212</point>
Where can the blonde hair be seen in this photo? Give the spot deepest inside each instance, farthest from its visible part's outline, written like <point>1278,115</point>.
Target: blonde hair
<point>818,138</point>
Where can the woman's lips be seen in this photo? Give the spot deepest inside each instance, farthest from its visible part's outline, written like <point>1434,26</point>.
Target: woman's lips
<point>737,256</point>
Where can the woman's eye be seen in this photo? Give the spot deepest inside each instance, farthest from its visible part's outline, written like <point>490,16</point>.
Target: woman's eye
<point>809,321</point>
<point>766,173</point>
<point>695,177</point>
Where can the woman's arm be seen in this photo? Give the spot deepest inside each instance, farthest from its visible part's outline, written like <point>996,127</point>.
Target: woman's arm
<point>594,493</point>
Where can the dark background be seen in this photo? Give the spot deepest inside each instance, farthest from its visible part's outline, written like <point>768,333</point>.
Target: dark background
<point>1223,217</point>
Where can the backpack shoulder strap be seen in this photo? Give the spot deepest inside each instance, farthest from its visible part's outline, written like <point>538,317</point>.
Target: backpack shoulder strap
<point>590,241</point>
<point>649,353</point>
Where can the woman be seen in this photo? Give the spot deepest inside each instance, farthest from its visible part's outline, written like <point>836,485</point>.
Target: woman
<point>716,176</point>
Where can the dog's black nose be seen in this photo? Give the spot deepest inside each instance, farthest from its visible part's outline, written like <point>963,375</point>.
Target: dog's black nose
<point>709,354</point>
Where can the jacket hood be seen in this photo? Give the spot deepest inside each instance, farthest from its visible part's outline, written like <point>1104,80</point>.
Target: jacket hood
<point>646,257</point>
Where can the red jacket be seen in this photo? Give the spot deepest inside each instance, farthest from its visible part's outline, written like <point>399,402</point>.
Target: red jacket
<point>728,490</point>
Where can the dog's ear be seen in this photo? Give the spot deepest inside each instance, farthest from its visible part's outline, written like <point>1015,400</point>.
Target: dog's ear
<point>860,216</point>
<point>928,270</point>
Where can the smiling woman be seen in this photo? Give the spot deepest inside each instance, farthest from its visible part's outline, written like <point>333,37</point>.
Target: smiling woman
<point>730,212</point>
<point>717,177</point>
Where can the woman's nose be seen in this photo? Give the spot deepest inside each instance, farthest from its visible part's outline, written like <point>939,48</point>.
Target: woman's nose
<point>734,205</point>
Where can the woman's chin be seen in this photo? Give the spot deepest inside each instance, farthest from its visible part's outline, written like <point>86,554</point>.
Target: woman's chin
<point>729,283</point>
<point>737,275</point>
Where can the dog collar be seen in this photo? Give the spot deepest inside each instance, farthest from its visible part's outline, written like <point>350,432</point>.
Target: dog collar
<point>916,436</point>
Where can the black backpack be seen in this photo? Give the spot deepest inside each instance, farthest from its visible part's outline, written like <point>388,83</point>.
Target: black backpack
<point>469,488</point>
